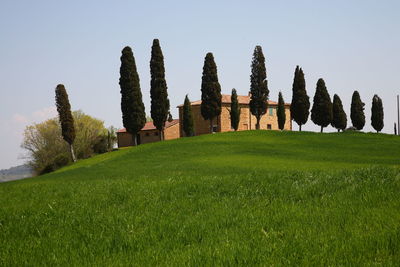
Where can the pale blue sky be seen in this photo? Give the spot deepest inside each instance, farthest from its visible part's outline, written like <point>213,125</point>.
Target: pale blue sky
<point>353,45</point>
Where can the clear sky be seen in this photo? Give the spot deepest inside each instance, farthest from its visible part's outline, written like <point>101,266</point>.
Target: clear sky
<point>353,45</point>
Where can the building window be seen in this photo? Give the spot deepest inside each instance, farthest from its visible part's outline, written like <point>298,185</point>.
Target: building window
<point>147,134</point>
<point>271,111</point>
<point>269,127</point>
<point>156,133</point>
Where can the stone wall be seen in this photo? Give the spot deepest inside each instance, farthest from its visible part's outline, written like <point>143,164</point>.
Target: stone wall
<point>148,136</point>
<point>124,139</point>
<point>172,132</point>
<point>248,121</point>
<point>201,126</point>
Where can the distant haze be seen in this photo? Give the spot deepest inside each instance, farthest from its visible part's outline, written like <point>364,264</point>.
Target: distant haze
<point>353,45</point>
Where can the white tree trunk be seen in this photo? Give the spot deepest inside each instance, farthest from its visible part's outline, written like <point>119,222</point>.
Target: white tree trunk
<point>71,148</point>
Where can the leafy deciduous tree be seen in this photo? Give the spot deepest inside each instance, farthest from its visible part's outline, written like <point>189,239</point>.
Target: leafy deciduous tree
<point>47,151</point>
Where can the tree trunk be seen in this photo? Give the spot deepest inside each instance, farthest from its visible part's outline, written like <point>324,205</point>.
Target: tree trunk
<point>71,148</point>
<point>322,129</point>
<point>338,130</point>
<point>211,126</point>
<point>108,141</point>
<point>134,139</point>
<point>258,123</point>
<point>300,128</point>
<point>162,135</point>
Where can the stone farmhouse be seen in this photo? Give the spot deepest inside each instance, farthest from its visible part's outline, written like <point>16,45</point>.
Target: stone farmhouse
<point>247,121</point>
<point>174,129</point>
<point>149,134</point>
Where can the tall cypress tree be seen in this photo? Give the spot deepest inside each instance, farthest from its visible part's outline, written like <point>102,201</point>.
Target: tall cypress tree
<point>321,112</point>
<point>235,110</point>
<point>66,118</point>
<point>339,117</point>
<point>377,113</point>
<point>281,112</point>
<point>210,91</point>
<point>357,111</point>
<point>158,89</point>
<point>258,86</point>
<point>187,118</point>
<point>133,113</point>
<point>299,109</point>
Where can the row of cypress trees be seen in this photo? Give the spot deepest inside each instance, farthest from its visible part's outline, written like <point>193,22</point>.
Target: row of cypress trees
<point>325,112</point>
<point>211,94</point>
<point>132,107</point>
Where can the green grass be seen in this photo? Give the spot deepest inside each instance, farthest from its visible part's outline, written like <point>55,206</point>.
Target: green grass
<point>246,198</point>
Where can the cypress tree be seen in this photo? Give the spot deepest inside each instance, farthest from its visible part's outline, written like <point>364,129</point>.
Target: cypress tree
<point>299,109</point>
<point>133,113</point>
<point>377,113</point>
<point>158,89</point>
<point>357,111</point>
<point>187,118</point>
<point>321,112</point>
<point>339,117</point>
<point>235,110</point>
<point>281,112</point>
<point>210,91</point>
<point>66,118</point>
<point>258,86</point>
<point>170,117</point>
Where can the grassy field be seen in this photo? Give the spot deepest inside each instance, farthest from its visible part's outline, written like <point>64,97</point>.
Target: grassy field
<point>246,198</point>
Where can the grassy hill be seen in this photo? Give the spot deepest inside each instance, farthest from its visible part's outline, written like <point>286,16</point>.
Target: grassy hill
<point>254,197</point>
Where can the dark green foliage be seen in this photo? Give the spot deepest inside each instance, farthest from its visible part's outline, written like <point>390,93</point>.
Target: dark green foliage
<point>64,114</point>
<point>258,85</point>
<point>158,88</point>
<point>235,110</point>
<point>281,112</point>
<point>105,142</point>
<point>210,91</point>
<point>170,117</point>
<point>339,117</point>
<point>133,113</point>
<point>321,112</point>
<point>187,118</point>
<point>357,111</point>
<point>377,113</point>
<point>299,109</point>
<point>65,117</point>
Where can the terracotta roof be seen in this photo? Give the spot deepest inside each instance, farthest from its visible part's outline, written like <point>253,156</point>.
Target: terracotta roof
<point>226,99</point>
<point>150,126</point>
